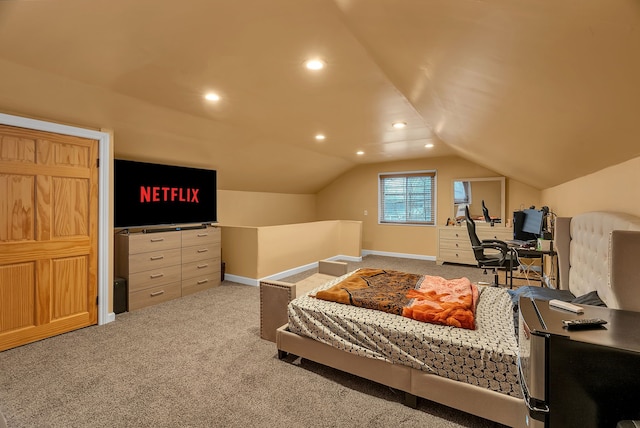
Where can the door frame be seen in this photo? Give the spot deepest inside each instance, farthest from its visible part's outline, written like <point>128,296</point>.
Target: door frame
<point>105,244</point>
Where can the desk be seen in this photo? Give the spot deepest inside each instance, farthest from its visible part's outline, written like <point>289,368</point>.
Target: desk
<point>533,253</point>
<point>583,378</point>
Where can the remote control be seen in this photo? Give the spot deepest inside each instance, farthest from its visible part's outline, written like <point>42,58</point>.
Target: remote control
<point>566,306</point>
<point>583,323</point>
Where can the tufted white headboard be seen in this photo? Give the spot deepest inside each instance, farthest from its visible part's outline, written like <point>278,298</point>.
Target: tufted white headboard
<point>601,251</point>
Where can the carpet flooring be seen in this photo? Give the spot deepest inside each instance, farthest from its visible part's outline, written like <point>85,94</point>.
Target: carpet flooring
<point>199,361</point>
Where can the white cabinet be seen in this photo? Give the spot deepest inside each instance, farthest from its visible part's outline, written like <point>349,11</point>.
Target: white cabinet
<point>454,245</point>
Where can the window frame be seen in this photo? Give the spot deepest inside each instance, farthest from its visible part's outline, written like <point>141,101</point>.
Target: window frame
<point>405,174</point>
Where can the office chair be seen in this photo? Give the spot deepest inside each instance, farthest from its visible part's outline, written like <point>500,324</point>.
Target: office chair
<point>498,256</point>
<point>485,213</point>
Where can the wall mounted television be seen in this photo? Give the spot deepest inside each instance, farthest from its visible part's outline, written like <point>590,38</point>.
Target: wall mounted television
<point>152,194</point>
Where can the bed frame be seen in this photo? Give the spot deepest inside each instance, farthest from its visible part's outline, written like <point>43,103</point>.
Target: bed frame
<point>618,278</point>
<point>414,383</point>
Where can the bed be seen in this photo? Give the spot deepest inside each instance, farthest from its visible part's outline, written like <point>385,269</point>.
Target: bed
<point>458,385</point>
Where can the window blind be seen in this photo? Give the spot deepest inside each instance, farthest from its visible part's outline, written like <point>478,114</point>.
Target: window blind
<point>407,198</point>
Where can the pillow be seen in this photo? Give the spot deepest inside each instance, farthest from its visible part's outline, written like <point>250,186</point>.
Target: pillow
<point>590,298</point>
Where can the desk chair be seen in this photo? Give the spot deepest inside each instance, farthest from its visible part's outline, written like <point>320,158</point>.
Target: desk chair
<point>485,213</point>
<point>491,253</point>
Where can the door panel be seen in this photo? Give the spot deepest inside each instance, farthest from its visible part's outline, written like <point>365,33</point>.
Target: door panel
<point>17,204</point>
<point>69,290</point>
<point>17,296</point>
<point>48,234</point>
<point>71,207</point>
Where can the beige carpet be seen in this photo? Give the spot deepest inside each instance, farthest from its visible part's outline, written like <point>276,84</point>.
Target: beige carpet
<point>199,362</point>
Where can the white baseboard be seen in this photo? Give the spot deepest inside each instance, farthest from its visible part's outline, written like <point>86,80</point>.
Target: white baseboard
<point>277,276</point>
<point>401,255</point>
<point>285,273</point>
<point>241,279</point>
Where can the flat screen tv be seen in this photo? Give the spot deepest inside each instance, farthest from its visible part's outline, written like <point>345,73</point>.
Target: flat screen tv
<point>151,194</point>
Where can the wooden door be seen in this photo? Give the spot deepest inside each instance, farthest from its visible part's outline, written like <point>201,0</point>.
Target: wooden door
<point>48,234</point>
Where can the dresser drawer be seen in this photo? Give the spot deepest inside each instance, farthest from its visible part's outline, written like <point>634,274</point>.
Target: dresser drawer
<point>458,256</point>
<point>454,232</point>
<point>200,252</point>
<point>154,295</point>
<point>201,268</point>
<point>502,234</point>
<point>193,285</point>
<point>154,260</point>
<point>145,242</point>
<point>450,244</point>
<point>155,277</point>
<point>195,237</point>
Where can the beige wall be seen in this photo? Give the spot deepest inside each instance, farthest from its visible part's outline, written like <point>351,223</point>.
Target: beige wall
<point>611,189</point>
<point>259,252</point>
<point>520,196</point>
<point>356,191</point>
<point>264,209</point>
<point>240,250</point>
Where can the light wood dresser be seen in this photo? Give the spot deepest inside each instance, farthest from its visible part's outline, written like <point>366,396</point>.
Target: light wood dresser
<point>454,245</point>
<point>161,266</point>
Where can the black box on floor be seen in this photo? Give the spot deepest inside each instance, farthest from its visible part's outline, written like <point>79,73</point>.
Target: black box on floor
<point>120,296</point>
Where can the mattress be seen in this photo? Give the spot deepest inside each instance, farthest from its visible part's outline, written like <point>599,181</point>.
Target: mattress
<point>485,357</point>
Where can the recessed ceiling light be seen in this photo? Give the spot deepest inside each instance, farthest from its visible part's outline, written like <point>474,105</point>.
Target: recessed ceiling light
<point>359,152</point>
<point>399,125</point>
<point>429,145</point>
<point>211,96</point>
<point>320,137</point>
<point>314,64</point>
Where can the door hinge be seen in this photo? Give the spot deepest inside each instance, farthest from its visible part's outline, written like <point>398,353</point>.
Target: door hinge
<point>97,300</point>
<point>98,163</point>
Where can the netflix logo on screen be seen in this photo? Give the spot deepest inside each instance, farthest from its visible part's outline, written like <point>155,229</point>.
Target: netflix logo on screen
<point>168,194</point>
<point>148,194</point>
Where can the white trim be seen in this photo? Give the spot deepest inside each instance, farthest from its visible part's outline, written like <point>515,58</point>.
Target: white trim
<point>285,273</point>
<point>104,208</point>
<point>401,255</point>
<point>241,279</point>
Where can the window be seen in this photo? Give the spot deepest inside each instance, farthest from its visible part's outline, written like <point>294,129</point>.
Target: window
<point>462,192</point>
<point>407,197</point>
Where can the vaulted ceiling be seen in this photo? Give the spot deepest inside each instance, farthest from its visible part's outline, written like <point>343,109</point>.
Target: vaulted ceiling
<point>542,91</point>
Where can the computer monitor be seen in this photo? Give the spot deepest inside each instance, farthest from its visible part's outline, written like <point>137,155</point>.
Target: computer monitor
<point>533,222</point>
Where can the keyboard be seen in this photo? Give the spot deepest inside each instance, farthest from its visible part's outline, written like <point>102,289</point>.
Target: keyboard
<point>521,243</point>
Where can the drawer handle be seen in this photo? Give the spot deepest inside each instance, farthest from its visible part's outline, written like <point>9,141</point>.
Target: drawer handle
<point>156,275</point>
<point>157,293</point>
<point>203,266</point>
<point>157,257</point>
<point>202,281</point>
<point>157,239</point>
<point>203,250</point>
<point>202,235</point>
<point>457,245</point>
<point>457,236</point>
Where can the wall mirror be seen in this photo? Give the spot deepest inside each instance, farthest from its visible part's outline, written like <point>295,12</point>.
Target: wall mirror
<point>472,191</point>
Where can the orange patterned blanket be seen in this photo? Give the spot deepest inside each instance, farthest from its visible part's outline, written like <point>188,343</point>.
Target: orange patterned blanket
<point>421,297</point>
